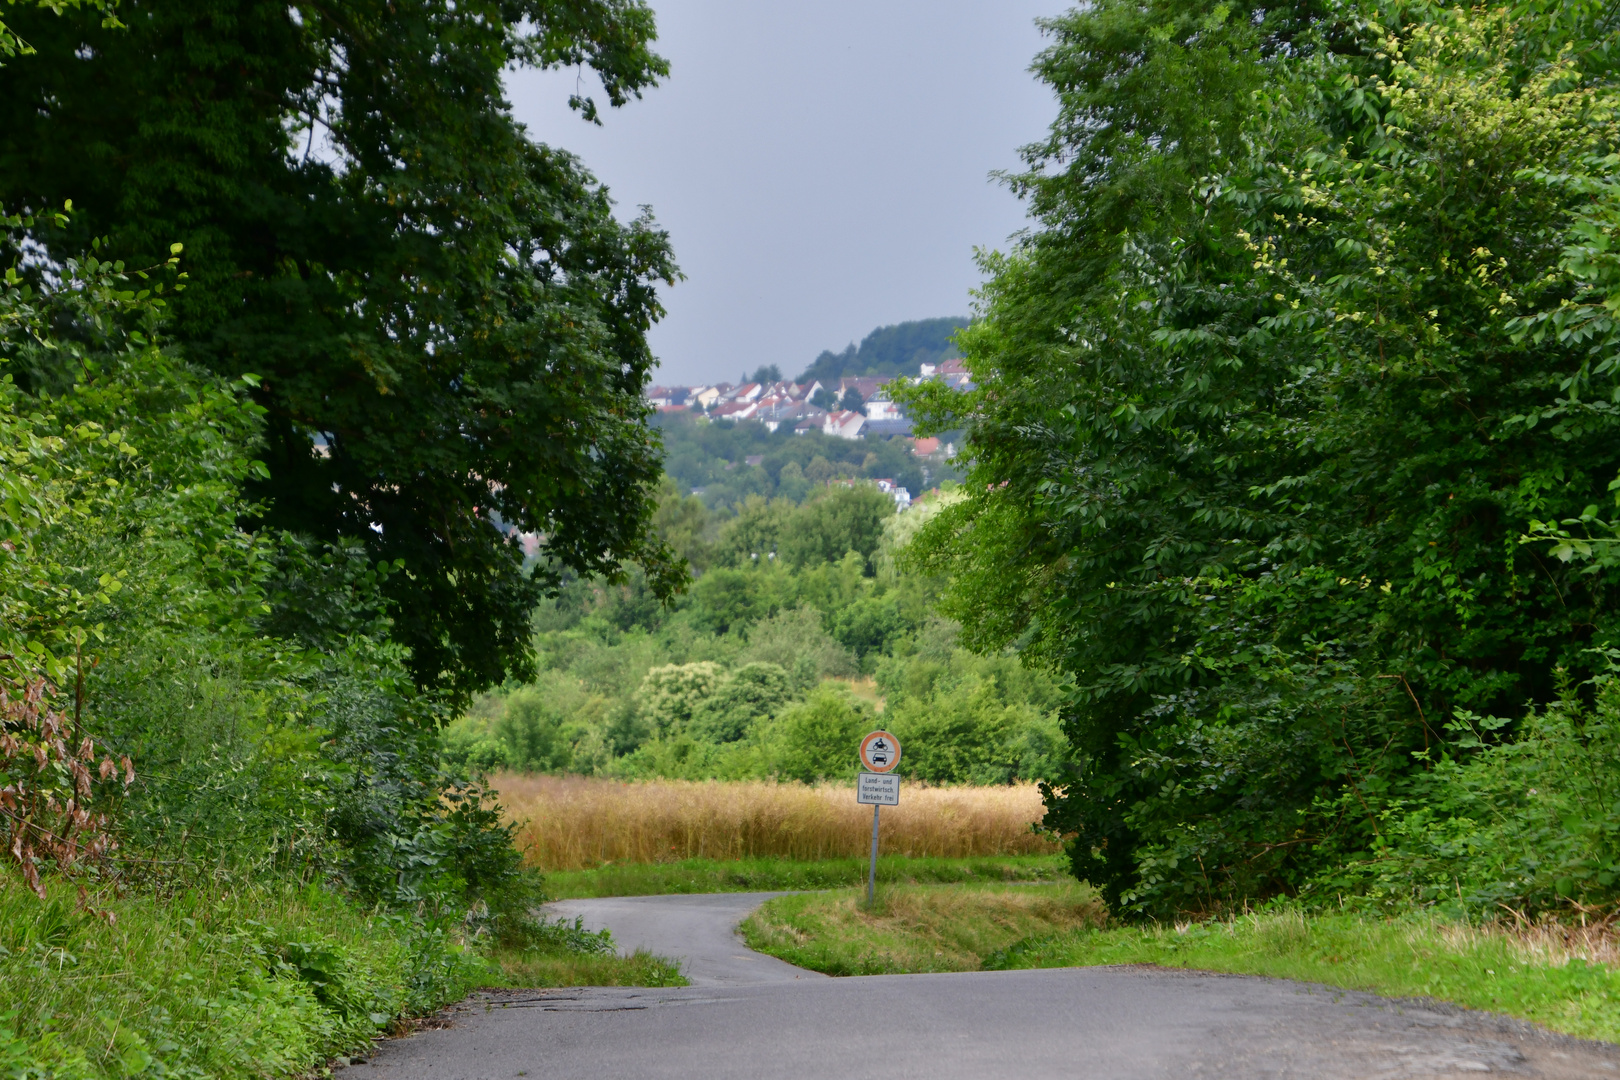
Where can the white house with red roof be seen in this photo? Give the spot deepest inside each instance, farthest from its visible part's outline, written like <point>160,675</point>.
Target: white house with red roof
<point>843,424</point>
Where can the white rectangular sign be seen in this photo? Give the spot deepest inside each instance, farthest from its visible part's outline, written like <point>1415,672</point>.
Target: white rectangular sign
<point>880,788</point>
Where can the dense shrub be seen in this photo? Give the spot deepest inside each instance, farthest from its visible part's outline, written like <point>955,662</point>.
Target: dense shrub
<point>140,624</point>
<point>1516,813</point>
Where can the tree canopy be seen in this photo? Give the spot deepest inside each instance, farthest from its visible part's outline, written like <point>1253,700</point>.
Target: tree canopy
<point>1273,401</point>
<point>447,322</point>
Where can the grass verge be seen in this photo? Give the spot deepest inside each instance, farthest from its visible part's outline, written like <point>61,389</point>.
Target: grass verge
<point>760,875</point>
<point>551,967</point>
<point>1546,974</point>
<point>559,954</point>
<point>915,927</point>
<point>253,981</point>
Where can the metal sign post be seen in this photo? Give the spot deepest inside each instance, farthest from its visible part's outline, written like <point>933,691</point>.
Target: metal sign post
<point>871,869</point>
<point>880,753</point>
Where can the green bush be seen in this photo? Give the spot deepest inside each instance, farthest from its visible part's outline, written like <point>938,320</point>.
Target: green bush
<point>253,980</point>
<point>1522,815</point>
<point>750,694</point>
<point>795,641</point>
<point>817,738</point>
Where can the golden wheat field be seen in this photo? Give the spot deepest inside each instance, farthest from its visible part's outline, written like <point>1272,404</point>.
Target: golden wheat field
<point>578,822</point>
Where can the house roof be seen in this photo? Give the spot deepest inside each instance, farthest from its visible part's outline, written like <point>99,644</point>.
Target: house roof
<point>901,426</point>
<point>865,385</point>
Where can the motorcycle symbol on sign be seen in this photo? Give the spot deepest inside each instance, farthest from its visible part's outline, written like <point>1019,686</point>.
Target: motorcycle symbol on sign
<point>880,752</point>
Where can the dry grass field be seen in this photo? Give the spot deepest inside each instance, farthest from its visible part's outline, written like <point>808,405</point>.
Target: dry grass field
<point>577,822</point>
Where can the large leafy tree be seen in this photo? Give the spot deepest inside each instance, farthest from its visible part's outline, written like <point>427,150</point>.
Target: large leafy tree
<point>1266,413</point>
<point>448,322</point>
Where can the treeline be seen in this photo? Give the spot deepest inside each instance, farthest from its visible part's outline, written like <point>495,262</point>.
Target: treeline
<point>890,350</point>
<point>1295,433</point>
<point>772,665</point>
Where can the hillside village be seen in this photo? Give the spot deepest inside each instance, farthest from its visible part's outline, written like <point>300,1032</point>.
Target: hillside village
<point>850,407</point>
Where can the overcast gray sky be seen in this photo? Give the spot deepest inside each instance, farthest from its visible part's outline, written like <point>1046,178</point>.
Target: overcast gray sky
<point>822,168</point>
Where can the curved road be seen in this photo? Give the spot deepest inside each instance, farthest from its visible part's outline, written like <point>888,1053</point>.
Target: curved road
<point>750,1016</point>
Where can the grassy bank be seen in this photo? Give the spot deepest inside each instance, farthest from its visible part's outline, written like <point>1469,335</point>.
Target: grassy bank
<point>577,822</point>
<point>250,982</point>
<point>915,928</point>
<point>751,875</point>
<point>1563,977</point>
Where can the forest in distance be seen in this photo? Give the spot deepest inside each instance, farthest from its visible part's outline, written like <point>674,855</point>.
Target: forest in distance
<point>800,626</point>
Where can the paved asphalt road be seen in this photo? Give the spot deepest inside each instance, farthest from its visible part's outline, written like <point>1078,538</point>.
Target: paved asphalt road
<point>749,1016</point>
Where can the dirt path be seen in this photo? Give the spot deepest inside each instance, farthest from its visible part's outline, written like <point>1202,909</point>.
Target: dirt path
<point>750,1016</point>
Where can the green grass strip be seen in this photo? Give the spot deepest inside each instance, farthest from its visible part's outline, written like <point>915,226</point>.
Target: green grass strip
<point>764,875</point>
<point>1529,973</point>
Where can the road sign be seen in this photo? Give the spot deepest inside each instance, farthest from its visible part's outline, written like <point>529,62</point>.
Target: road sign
<point>877,789</point>
<point>880,752</point>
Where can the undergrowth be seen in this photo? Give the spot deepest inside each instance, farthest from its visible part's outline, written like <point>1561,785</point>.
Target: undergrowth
<point>250,981</point>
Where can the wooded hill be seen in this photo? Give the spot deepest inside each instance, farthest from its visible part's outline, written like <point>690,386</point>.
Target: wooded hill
<point>889,350</point>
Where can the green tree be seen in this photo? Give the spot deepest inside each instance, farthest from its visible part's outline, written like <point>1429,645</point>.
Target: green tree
<point>1256,476</point>
<point>869,625</point>
<point>451,310</point>
<point>818,738</point>
<point>890,350</point>
<point>755,533</point>
<point>12,45</point>
<point>791,484</point>
<point>795,641</point>
<point>672,694</point>
<point>682,522</point>
<point>529,728</point>
<point>844,519</point>
<point>751,694</point>
<point>726,600</point>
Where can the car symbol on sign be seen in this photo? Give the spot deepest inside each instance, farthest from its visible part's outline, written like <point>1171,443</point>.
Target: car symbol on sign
<point>880,751</point>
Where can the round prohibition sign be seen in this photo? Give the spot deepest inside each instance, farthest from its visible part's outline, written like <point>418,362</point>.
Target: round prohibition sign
<point>880,752</point>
